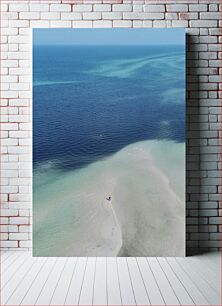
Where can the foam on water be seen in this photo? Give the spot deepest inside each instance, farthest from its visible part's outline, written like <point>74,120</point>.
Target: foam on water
<point>48,83</point>
<point>126,68</point>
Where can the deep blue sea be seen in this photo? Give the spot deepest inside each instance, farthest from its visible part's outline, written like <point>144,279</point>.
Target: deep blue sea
<point>91,101</point>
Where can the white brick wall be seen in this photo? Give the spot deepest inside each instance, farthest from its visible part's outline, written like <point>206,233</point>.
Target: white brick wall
<point>200,17</point>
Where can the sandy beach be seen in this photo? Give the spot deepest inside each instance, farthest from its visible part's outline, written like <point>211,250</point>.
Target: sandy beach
<point>146,183</point>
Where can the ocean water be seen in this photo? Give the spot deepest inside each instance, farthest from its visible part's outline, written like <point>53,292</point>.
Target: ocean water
<point>93,101</point>
<point>89,104</point>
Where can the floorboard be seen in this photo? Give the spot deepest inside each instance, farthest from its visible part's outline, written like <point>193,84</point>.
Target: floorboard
<point>28,280</point>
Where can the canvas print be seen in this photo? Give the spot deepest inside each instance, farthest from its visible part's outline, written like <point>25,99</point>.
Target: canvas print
<point>108,142</point>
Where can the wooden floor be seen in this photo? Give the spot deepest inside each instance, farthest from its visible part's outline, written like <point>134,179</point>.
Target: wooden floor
<point>28,280</point>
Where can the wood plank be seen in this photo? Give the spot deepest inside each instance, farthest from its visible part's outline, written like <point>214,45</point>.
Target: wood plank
<point>19,285</point>
<point>139,288</point>
<point>209,261</point>
<point>73,294</point>
<point>100,284</point>
<point>165,287</point>
<point>126,288</point>
<point>10,261</point>
<point>35,287</point>
<point>210,294</point>
<point>13,269</point>
<point>113,286</point>
<point>212,279</point>
<point>86,294</point>
<point>5,255</point>
<point>46,293</point>
<point>153,291</point>
<point>59,296</point>
<point>191,288</point>
<point>112,281</point>
<point>180,291</point>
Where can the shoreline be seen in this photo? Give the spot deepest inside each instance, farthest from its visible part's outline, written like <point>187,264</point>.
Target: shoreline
<point>146,181</point>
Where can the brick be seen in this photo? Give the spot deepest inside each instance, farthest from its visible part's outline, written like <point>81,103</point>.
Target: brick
<point>9,126</point>
<point>154,8</point>
<point>9,15</point>
<point>39,23</point>
<point>208,205</point>
<point>208,212</point>
<point>51,15</point>
<point>177,8</point>
<point>25,244</point>
<point>93,15</point>
<point>215,236</point>
<point>215,63</point>
<point>24,229</point>
<point>19,71</point>
<point>9,31</point>
<point>82,24</point>
<point>210,244</point>
<point>18,236</point>
<point>213,7</point>
<point>199,236</point>
<point>137,8</point>
<point>102,7</point>
<point>4,7</point>
<point>9,244</point>
<point>19,118</point>
<point>18,150</point>
<point>29,15</point>
<point>161,23</point>
<point>208,15</point>
<point>8,228</point>
<point>197,7</point>
<point>147,24</point>
<point>60,8</point>
<point>37,7</point>
<point>9,142</point>
<point>112,15</point>
<point>122,23</point>
<point>209,228</point>
<point>9,173</point>
<point>9,212</point>
<point>171,16</point>
<point>71,16</point>
<point>3,220</point>
<point>18,7</point>
<point>187,16</point>
<point>18,23</point>
<point>203,23</point>
<point>102,24</point>
<point>121,7</point>
<point>60,24</point>
<point>214,47</point>
<point>82,8</point>
<point>18,220</point>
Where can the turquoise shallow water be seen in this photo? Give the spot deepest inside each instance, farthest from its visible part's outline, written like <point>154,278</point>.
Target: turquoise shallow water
<point>146,182</point>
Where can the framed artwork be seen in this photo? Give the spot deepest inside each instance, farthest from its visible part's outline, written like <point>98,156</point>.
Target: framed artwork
<point>108,142</point>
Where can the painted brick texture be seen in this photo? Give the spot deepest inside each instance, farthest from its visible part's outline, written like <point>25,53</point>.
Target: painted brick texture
<point>201,18</point>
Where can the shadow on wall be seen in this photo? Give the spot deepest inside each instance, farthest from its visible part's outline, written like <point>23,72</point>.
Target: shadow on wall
<point>195,225</point>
